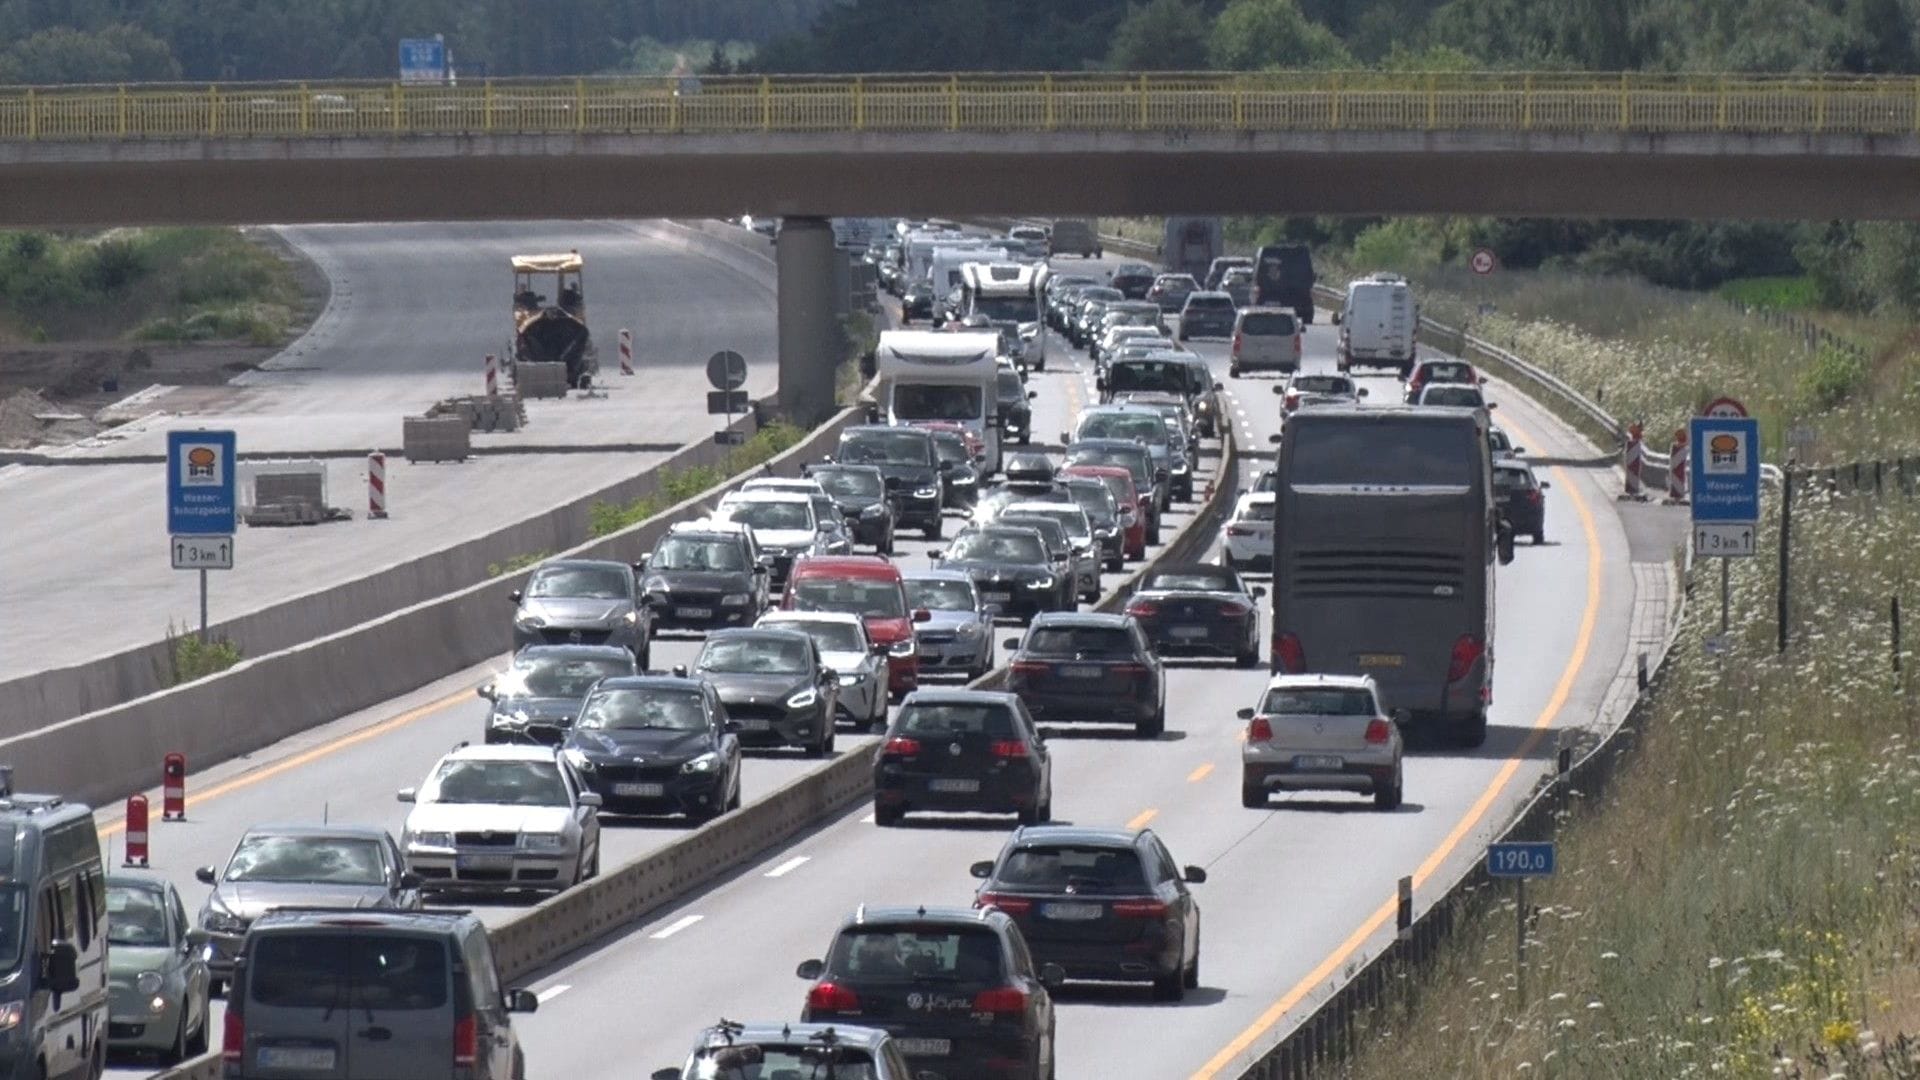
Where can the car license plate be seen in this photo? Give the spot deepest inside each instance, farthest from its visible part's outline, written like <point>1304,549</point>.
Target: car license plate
<point>958,786</point>
<point>756,724</point>
<point>1189,631</point>
<point>1319,761</point>
<point>1080,672</point>
<point>640,791</point>
<point>1073,912</point>
<point>305,1058</point>
<point>694,612</point>
<point>996,597</point>
<point>484,862</point>
<point>1381,659</point>
<point>925,1047</point>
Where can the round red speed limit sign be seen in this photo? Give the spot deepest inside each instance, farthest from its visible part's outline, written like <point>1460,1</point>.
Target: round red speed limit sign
<point>1482,261</point>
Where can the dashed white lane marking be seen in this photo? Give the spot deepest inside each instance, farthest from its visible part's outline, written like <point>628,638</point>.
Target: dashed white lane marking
<point>552,992</point>
<point>676,926</point>
<point>868,820</point>
<point>789,866</point>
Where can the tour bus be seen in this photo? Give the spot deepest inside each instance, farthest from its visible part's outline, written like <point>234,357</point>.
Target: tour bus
<point>1013,297</point>
<point>930,375</point>
<point>1384,562</point>
<point>53,908</point>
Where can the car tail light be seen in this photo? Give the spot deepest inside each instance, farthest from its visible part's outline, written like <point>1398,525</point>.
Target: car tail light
<point>901,746</point>
<point>1533,496</point>
<point>1259,729</point>
<point>466,1041</point>
<point>1289,654</point>
<point>1031,667</point>
<point>1009,748</point>
<point>1012,905</point>
<point>1296,341</point>
<point>1143,609</point>
<point>1000,999</point>
<point>1232,610</point>
<point>1239,530</point>
<point>832,998</point>
<point>1379,730</point>
<point>1236,343</point>
<point>1129,669</point>
<point>1139,909</point>
<point>1292,400</point>
<point>233,1036</point>
<point>1466,652</point>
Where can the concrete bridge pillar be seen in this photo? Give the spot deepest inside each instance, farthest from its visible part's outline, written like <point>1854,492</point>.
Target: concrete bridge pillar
<point>809,325</point>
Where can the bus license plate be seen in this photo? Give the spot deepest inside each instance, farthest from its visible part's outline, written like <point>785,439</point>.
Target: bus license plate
<point>303,1058</point>
<point>640,791</point>
<point>925,1047</point>
<point>1319,762</point>
<point>1381,659</point>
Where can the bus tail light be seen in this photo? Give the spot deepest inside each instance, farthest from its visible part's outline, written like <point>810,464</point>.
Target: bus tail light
<point>1467,652</point>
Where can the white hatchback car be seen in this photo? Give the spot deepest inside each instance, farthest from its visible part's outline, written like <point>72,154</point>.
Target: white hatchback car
<point>841,640</point>
<point>499,819</point>
<point>1320,733</point>
<point>1246,542</point>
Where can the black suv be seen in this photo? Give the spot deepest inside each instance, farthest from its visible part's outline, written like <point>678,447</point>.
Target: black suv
<point>957,988</point>
<point>1016,406</point>
<point>963,750</point>
<point>1100,903</point>
<point>860,491</point>
<point>1089,667</point>
<point>907,458</point>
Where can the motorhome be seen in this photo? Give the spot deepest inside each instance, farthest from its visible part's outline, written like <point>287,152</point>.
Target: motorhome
<point>1012,297</point>
<point>929,375</point>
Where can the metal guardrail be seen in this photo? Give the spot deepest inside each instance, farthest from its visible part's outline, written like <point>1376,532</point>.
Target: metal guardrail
<point>991,103</point>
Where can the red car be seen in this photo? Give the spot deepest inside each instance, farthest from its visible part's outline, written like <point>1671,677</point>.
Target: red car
<point>1440,371</point>
<point>870,587</point>
<point>1134,507</point>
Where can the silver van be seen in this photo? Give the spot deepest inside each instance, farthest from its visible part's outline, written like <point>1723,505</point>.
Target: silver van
<point>340,994</point>
<point>53,937</point>
<point>1074,236</point>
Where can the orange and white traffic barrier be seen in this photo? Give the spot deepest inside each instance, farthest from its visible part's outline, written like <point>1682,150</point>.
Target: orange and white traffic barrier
<point>1677,468</point>
<point>493,376</point>
<point>136,830</point>
<point>173,787</point>
<point>376,485</point>
<point>1632,458</point>
<point>626,352</point>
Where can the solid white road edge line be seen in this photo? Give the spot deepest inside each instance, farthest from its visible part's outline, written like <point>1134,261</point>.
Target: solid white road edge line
<point>789,866</point>
<point>676,926</point>
<point>552,992</point>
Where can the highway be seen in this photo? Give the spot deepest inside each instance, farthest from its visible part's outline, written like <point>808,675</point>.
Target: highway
<point>349,771</point>
<point>414,308</point>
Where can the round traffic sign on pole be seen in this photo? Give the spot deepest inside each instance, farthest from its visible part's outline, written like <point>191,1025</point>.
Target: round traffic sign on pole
<point>727,370</point>
<point>1483,261</point>
<point>1725,408</point>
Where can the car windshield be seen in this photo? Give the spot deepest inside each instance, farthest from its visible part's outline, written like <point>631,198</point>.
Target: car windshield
<point>642,708</point>
<point>498,782</point>
<point>1010,387</point>
<point>1267,324</point>
<point>1143,426</point>
<point>1095,501</point>
<point>587,582</point>
<point>1006,308</point>
<point>1099,293</point>
<point>1134,462</point>
<point>1119,487</point>
<point>852,482</point>
<point>1072,522</point>
<point>936,595</point>
<point>887,448</point>
<point>555,677</point>
<point>870,954</point>
<point>1192,580</point>
<point>717,554</point>
<point>1095,641</point>
<point>1513,479</point>
<point>1497,440</point>
<point>137,916</point>
<point>772,516</point>
<point>367,974</point>
<point>1321,384</point>
<point>993,721</point>
<point>1449,372</point>
<point>1169,375</point>
<point>1318,701</point>
<point>1258,511</point>
<point>829,636</point>
<point>921,401</point>
<point>878,599</point>
<point>998,547</point>
<point>329,860</point>
<point>1216,303</point>
<point>754,656</point>
<point>1448,394</point>
<point>1088,871</point>
<point>781,1062</point>
<point>951,448</point>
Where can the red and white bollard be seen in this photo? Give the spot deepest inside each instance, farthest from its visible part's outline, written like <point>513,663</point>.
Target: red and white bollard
<point>493,376</point>
<point>173,787</point>
<point>1677,468</point>
<point>376,485</point>
<point>1632,459</point>
<point>136,830</point>
<point>626,352</point>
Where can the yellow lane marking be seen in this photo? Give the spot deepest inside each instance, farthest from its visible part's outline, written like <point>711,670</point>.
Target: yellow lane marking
<point>1140,819</point>
<point>307,757</point>
<point>1200,773</point>
<point>1333,962</point>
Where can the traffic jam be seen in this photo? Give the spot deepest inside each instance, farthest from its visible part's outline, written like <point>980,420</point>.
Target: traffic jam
<point>929,593</point>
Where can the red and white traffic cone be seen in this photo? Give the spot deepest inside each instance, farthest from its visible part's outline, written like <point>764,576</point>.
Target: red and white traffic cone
<point>493,376</point>
<point>626,352</point>
<point>1677,468</point>
<point>376,485</point>
<point>173,787</point>
<point>137,830</point>
<point>1632,458</point>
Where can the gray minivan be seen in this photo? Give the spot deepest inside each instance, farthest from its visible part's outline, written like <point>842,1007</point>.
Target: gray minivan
<point>1074,236</point>
<point>53,937</point>
<point>339,994</point>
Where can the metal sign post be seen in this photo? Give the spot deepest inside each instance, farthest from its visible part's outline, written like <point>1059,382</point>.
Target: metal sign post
<point>1520,861</point>
<point>1725,480</point>
<point>202,508</point>
<point>727,373</point>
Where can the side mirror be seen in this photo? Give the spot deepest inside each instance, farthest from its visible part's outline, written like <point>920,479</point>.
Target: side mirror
<point>207,875</point>
<point>1544,485</point>
<point>640,565</point>
<point>63,968</point>
<point>1011,643</point>
<point>825,672</point>
<point>881,648</point>
<point>488,692</point>
<point>524,1001</point>
<point>1258,591</point>
<point>937,554</point>
<point>1483,380</point>
<point>1361,392</point>
<point>923,615</point>
<point>679,671</point>
<point>826,459</point>
<point>411,880</point>
<point>982,870</point>
<point>1066,438</point>
<point>1280,389</point>
<point>1493,404</point>
<point>1052,976</point>
<point>591,800</point>
<point>1504,542</point>
<point>1218,386</point>
<point>514,596</point>
<point>1160,476</point>
<point>1336,318</point>
<point>1032,394</point>
<point>991,611</point>
<point>405,794</point>
<point>1245,714</point>
<point>732,727</point>
<point>810,969</point>
<point>666,1074</point>
<point>1100,383</point>
<point>1196,876</point>
<point>1274,438</point>
<point>1517,451</point>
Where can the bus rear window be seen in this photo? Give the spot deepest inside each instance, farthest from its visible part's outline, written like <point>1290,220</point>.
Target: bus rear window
<point>1367,452</point>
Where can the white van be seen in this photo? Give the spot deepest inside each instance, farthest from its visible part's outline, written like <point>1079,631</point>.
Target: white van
<point>1377,324</point>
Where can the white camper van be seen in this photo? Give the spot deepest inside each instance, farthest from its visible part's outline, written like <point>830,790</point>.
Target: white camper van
<point>934,375</point>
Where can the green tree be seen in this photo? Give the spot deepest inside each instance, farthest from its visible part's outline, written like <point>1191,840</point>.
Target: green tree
<point>1431,58</point>
<point>1161,35</point>
<point>113,54</point>
<point>1252,35</point>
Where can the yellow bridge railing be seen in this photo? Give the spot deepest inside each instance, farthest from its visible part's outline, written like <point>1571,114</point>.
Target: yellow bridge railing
<point>1315,101</point>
